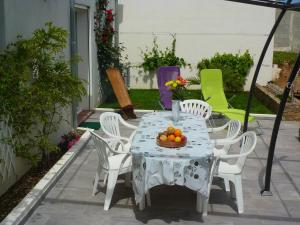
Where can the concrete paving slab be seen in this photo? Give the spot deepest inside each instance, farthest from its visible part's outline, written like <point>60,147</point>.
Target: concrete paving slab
<point>70,201</point>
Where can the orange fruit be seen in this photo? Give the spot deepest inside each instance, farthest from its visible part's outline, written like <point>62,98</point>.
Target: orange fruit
<point>171,130</point>
<point>177,139</point>
<point>177,133</point>
<point>171,137</point>
<point>163,137</point>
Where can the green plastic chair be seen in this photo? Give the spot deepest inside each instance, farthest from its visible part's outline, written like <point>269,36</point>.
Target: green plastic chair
<point>213,93</point>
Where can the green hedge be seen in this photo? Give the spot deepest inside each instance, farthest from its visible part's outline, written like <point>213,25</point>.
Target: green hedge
<point>281,57</point>
<point>235,68</point>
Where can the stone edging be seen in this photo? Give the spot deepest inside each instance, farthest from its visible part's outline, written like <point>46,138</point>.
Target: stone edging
<point>292,109</point>
<point>25,208</point>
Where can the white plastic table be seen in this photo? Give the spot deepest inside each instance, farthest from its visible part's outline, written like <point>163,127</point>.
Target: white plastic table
<point>154,165</point>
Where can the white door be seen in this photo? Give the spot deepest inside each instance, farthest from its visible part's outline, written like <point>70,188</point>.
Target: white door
<point>82,34</point>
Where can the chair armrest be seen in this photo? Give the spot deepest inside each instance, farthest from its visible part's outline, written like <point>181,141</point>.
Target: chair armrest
<point>111,136</point>
<point>128,125</point>
<point>216,129</point>
<point>233,156</point>
<point>132,136</point>
<point>115,143</point>
<point>221,141</point>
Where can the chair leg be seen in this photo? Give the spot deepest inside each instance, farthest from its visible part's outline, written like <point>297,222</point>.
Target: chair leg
<point>148,198</point>
<point>205,206</point>
<point>105,179</point>
<point>111,183</point>
<point>128,179</point>
<point>239,193</point>
<point>227,184</point>
<point>96,180</point>
<point>142,203</point>
<point>200,203</point>
<point>211,121</point>
<point>258,129</point>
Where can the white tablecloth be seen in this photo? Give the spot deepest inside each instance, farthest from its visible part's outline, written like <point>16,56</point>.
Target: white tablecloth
<point>154,165</point>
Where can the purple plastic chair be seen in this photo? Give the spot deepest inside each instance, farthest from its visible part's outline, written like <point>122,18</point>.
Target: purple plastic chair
<point>165,74</point>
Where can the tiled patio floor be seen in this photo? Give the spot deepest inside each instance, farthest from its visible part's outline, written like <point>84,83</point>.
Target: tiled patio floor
<point>70,202</point>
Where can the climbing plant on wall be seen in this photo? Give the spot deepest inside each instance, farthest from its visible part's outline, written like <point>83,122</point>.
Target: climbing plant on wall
<point>109,54</point>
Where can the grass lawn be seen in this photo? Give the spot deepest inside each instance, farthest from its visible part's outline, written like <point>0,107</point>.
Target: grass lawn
<point>148,99</point>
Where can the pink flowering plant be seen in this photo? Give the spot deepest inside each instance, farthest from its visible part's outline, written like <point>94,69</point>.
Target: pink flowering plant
<point>68,140</point>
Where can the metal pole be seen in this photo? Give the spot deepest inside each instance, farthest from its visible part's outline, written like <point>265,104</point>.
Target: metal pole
<point>73,48</point>
<point>261,58</point>
<point>271,4</point>
<point>289,84</point>
<point>2,25</point>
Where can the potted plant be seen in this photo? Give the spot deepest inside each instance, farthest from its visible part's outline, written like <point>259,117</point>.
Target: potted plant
<point>154,58</point>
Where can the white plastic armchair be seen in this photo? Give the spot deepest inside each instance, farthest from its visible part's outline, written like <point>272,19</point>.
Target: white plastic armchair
<point>196,107</point>
<point>233,172</point>
<point>110,124</point>
<point>110,164</point>
<point>233,128</point>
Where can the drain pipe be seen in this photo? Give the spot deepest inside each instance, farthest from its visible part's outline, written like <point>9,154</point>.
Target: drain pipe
<point>73,51</point>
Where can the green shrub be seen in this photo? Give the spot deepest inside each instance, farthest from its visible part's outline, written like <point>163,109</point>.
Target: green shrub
<point>235,68</point>
<point>280,58</point>
<point>155,58</point>
<point>36,85</point>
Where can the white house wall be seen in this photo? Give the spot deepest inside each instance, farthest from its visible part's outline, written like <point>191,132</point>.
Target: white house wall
<point>94,88</point>
<point>202,28</point>
<point>22,18</point>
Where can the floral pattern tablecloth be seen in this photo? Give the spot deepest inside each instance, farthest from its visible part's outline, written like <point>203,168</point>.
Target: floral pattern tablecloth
<point>154,165</point>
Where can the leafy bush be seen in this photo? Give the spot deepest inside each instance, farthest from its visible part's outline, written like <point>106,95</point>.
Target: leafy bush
<point>155,58</point>
<point>235,68</point>
<point>280,58</point>
<point>36,85</point>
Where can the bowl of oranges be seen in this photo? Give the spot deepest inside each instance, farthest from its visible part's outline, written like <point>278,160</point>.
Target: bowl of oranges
<point>171,138</point>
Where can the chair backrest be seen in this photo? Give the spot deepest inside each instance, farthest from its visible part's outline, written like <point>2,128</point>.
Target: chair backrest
<point>248,142</point>
<point>196,107</point>
<point>233,130</point>
<point>102,148</point>
<point>212,88</point>
<point>110,123</point>
<point>165,74</point>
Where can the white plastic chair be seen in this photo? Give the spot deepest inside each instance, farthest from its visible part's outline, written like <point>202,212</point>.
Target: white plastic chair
<point>232,172</point>
<point>110,163</point>
<point>110,124</point>
<point>233,128</point>
<point>196,107</point>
